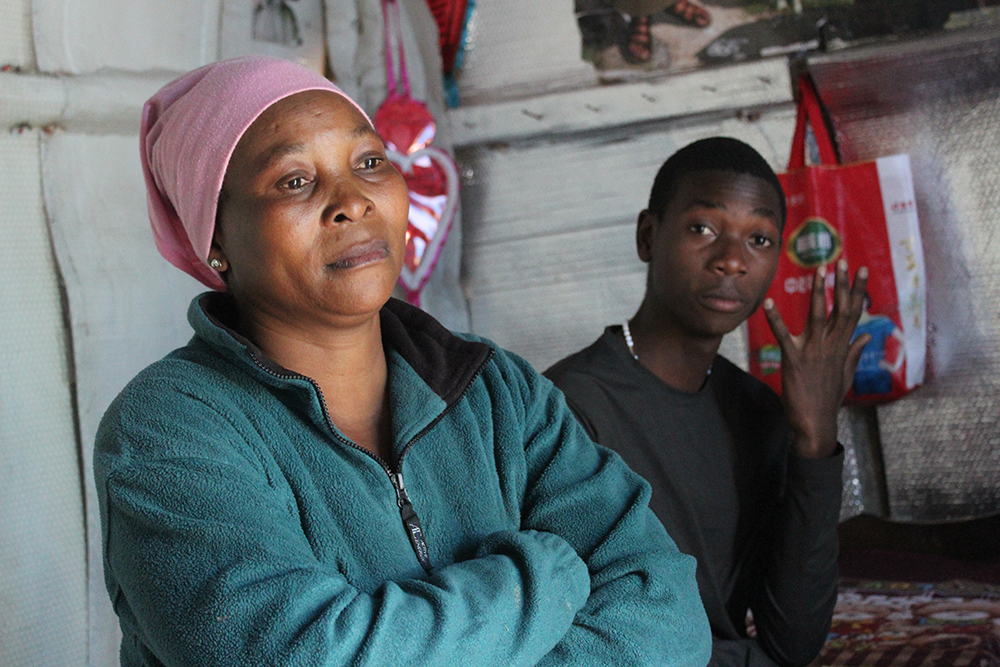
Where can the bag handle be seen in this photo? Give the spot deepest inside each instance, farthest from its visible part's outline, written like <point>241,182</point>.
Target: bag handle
<point>810,112</point>
<point>394,35</point>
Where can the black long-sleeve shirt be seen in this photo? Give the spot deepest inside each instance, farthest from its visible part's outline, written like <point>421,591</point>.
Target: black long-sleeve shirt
<point>760,520</point>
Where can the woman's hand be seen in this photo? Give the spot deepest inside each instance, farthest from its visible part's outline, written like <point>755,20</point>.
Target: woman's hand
<point>817,366</point>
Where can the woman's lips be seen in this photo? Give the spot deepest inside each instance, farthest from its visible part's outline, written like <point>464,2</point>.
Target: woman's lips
<point>360,255</point>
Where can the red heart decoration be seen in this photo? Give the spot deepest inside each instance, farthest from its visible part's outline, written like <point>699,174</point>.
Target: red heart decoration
<point>407,127</point>
<point>405,124</point>
<point>432,179</point>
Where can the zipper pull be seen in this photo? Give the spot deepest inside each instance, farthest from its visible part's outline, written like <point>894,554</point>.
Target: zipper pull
<point>411,521</point>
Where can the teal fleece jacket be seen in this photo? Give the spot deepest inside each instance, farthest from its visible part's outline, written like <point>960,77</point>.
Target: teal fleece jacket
<point>242,528</point>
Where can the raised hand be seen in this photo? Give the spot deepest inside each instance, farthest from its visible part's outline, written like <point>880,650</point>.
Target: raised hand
<point>817,366</point>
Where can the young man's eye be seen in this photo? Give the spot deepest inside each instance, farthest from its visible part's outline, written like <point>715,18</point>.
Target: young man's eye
<point>762,241</point>
<point>699,228</point>
<point>372,162</point>
<point>296,183</point>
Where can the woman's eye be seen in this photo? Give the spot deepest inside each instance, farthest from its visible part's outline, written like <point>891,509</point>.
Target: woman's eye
<point>296,183</point>
<point>371,162</point>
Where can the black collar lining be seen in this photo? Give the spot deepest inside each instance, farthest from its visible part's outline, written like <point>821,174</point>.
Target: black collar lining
<point>447,363</point>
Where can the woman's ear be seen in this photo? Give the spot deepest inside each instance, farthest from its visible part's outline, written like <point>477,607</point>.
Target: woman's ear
<point>216,256</point>
<point>644,235</point>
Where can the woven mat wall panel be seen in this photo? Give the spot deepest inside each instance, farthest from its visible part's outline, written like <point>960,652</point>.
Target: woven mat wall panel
<point>15,34</point>
<point>43,571</point>
<point>126,306</point>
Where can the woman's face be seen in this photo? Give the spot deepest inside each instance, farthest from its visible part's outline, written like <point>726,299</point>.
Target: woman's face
<point>312,216</point>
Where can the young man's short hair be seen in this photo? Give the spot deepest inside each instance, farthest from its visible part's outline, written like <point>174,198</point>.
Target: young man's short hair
<point>712,154</point>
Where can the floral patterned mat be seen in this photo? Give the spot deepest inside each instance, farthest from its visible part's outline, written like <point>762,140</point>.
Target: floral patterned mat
<point>902,624</point>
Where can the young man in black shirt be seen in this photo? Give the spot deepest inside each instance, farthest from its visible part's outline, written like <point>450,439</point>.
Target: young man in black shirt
<point>747,482</point>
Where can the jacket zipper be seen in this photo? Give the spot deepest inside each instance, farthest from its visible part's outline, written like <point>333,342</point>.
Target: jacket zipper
<point>411,522</point>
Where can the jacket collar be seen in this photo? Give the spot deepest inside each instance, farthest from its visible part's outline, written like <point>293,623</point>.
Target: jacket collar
<point>445,362</point>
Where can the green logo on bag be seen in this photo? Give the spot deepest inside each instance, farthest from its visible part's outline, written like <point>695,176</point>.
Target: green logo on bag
<point>770,359</point>
<point>814,243</point>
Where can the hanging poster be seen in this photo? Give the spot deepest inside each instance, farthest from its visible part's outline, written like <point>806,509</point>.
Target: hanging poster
<point>627,37</point>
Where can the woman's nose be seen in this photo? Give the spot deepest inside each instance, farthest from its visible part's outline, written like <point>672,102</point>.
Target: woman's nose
<point>348,204</point>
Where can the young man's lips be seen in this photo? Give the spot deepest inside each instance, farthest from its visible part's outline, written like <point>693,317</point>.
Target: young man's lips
<point>726,303</point>
<point>361,254</point>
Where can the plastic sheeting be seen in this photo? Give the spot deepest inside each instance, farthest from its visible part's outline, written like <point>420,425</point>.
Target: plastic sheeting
<point>937,99</point>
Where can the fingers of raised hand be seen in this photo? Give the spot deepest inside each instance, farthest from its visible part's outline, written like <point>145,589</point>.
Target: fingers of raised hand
<point>817,300</point>
<point>851,362</point>
<point>847,307</point>
<point>777,324</point>
<point>841,290</point>
<point>848,300</point>
<point>858,297</point>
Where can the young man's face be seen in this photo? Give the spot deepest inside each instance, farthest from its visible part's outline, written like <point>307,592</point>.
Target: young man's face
<point>712,253</point>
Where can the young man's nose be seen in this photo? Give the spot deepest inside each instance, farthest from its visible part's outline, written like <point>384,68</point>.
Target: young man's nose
<point>729,258</point>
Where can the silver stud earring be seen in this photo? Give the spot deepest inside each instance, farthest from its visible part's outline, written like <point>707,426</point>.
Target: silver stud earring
<point>215,264</point>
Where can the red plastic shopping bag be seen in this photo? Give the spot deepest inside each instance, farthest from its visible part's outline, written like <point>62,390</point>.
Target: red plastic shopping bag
<point>865,213</point>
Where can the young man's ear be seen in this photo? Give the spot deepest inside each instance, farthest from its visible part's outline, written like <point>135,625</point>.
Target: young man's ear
<point>644,234</point>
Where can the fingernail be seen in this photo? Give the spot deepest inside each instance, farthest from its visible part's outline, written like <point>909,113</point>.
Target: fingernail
<point>863,272</point>
<point>842,264</point>
<point>768,303</point>
<point>822,271</point>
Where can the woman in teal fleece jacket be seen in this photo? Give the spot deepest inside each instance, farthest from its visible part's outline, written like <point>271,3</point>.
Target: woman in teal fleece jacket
<point>327,476</point>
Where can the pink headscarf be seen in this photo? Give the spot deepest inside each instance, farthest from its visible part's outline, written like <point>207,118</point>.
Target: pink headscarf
<point>189,130</point>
